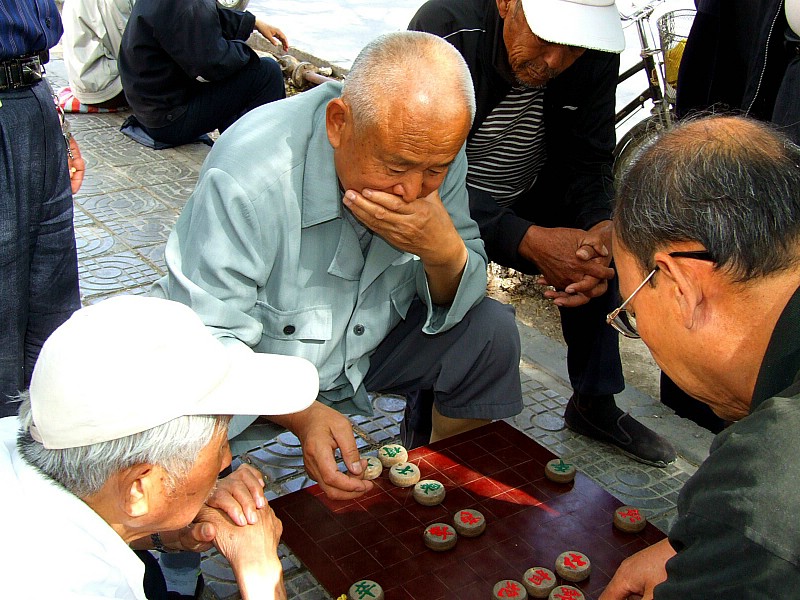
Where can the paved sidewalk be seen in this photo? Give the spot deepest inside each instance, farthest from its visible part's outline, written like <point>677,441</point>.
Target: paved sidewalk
<point>128,204</point>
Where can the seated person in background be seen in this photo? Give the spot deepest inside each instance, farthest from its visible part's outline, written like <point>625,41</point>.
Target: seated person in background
<point>335,226</point>
<point>92,35</point>
<point>707,247</point>
<point>186,68</point>
<point>119,442</point>
<point>539,178</point>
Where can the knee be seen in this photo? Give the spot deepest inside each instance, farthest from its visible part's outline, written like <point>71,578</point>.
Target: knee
<point>497,323</point>
<point>271,75</point>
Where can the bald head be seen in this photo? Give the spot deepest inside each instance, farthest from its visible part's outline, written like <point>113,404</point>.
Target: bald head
<point>409,72</point>
<point>731,184</point>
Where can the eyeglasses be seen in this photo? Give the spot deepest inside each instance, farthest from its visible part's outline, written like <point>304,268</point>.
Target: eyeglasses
<point>624,321</point>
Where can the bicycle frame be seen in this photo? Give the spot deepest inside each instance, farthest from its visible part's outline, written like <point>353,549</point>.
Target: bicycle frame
<point>648,64</point>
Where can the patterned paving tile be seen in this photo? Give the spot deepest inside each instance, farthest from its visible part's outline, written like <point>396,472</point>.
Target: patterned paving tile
<point>105,275</point>
<point>145,230</point>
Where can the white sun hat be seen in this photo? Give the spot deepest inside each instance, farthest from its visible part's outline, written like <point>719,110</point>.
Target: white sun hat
<point>131,363</point>
<point>592,24</point>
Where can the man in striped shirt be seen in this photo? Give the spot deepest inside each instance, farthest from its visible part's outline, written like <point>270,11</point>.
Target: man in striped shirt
<point>539,178</point>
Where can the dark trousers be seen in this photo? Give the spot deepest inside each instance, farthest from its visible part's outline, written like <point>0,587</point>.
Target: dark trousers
<point>216,105</point>
<point>38,257</point>
<point>473,368</point>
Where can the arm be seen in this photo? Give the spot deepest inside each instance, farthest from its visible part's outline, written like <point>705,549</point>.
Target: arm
<point>321,430</point>
<point>252,551</point>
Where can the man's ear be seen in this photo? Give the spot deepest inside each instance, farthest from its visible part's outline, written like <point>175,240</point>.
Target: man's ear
<point>686,281</point>
<point>336,117</point>
<point>140,486</point>
<point>502,7</point>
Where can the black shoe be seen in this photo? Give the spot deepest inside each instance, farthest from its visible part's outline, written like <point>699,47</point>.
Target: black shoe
<point>601,419</point>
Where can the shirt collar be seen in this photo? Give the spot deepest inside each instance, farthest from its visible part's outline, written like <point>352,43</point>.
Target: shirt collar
<point>781,363</point>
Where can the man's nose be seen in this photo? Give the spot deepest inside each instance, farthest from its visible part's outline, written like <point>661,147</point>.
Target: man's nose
<point>410,186</point>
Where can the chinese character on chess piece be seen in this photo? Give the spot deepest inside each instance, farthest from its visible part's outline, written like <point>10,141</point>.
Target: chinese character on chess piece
<point>559,471</point>
<point>508,588</point>
<point>629,519</point>
<point>429,492</point>
<point>440,536</point>
<point>573,566</point>
<point>539,582</point>
<point>365,590</point>
<point>404,474</point>
<point>392,454</point>
<point>469,522</point>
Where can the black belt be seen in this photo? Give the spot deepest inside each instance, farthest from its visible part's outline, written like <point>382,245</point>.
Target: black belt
<point>23,71</point>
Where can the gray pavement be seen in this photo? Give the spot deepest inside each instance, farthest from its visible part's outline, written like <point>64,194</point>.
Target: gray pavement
<point>130,200</point>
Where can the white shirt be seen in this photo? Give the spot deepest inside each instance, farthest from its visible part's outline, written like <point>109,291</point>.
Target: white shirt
<point>92,35</point>
<point>54,545</point>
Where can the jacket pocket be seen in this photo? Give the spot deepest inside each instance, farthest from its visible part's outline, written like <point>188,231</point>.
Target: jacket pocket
<point>314,323</point>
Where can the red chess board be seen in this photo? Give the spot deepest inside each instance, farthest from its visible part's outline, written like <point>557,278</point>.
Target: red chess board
<point>497,470</point>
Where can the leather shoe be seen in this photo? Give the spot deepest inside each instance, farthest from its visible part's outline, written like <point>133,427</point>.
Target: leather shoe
<point>598,418</point>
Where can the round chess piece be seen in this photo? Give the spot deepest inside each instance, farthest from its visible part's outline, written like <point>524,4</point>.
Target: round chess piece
<point>629,519</point>
<point>366,588</point>
<point>392,454</point>
<point>429,492</point>
<point>566,592</point>
<point>469,522</point>
<point>440,537</point>
<point>374,468</point>
<point>508,588</point>
<point>539,582</point>
<point>559,471</point>
<point>573,566</point>
<point>404,474</point>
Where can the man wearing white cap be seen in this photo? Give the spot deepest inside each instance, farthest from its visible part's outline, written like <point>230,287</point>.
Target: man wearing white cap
<point>539,178</point>
<point>118,445</point>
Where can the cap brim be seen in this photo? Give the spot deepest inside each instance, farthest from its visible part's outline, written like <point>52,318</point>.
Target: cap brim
<point>263,384</point>
<point>576,24</point>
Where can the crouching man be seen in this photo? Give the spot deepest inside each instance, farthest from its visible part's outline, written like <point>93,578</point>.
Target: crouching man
<point>118,445</point>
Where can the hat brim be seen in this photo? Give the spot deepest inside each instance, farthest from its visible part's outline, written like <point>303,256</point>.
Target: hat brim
<point>262,384</point>
<point>576,24</point>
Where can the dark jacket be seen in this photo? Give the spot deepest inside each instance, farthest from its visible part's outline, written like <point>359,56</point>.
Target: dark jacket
<point>575,186</point>
<point>168,44</point>
<point>736,529</point>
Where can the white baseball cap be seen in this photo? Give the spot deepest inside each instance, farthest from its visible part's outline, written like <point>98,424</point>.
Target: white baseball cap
<point>131,363</point>
<point>592,24</point>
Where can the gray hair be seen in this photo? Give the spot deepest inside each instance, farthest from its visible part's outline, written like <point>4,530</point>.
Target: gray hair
<point>84,470</point>
<point>729,183</point>
<point>391,60</point>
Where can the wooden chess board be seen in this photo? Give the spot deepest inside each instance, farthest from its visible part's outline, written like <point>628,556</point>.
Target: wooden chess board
<point>497,470</point>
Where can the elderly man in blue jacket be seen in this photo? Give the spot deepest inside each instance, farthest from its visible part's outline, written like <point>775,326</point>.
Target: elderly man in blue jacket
<point>335,226</point>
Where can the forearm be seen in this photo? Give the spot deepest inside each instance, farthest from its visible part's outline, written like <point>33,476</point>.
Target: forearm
<point>444,278</point>
<point>260,579</point>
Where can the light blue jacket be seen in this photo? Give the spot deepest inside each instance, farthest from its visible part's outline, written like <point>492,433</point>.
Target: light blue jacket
<point>263,253</point>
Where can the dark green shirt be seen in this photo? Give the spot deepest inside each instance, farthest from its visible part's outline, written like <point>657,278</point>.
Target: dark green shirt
<point>737,534</point>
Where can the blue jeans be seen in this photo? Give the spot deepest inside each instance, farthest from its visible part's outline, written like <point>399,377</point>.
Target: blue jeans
<point>38,258</point>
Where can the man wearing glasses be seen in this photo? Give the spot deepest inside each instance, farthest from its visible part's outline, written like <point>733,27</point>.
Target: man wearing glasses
<point>707,247</point>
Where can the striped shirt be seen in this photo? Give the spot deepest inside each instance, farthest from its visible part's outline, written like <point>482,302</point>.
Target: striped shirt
<point>28,27</point>
<point>507,151</point>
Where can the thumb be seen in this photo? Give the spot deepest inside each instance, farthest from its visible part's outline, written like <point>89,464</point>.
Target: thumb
<point>350,453</point>
<point>204,532</point>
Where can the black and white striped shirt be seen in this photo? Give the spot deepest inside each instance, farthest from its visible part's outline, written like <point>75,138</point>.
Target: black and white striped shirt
<point>508,150</point>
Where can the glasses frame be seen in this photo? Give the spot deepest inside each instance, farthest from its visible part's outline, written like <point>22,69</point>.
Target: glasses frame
<point>615,317</point>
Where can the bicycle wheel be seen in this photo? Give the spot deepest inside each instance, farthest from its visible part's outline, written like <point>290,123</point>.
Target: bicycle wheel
<point>639,136</point>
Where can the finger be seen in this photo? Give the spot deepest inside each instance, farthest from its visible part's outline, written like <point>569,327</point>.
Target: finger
<point>571,301</point>
<point>341,490</point>
<point>226,502</point>
<point>590,251</point>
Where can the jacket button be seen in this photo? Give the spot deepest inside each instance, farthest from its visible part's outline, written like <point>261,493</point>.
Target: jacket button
<point>289,329</point>
<point>358,329</point>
